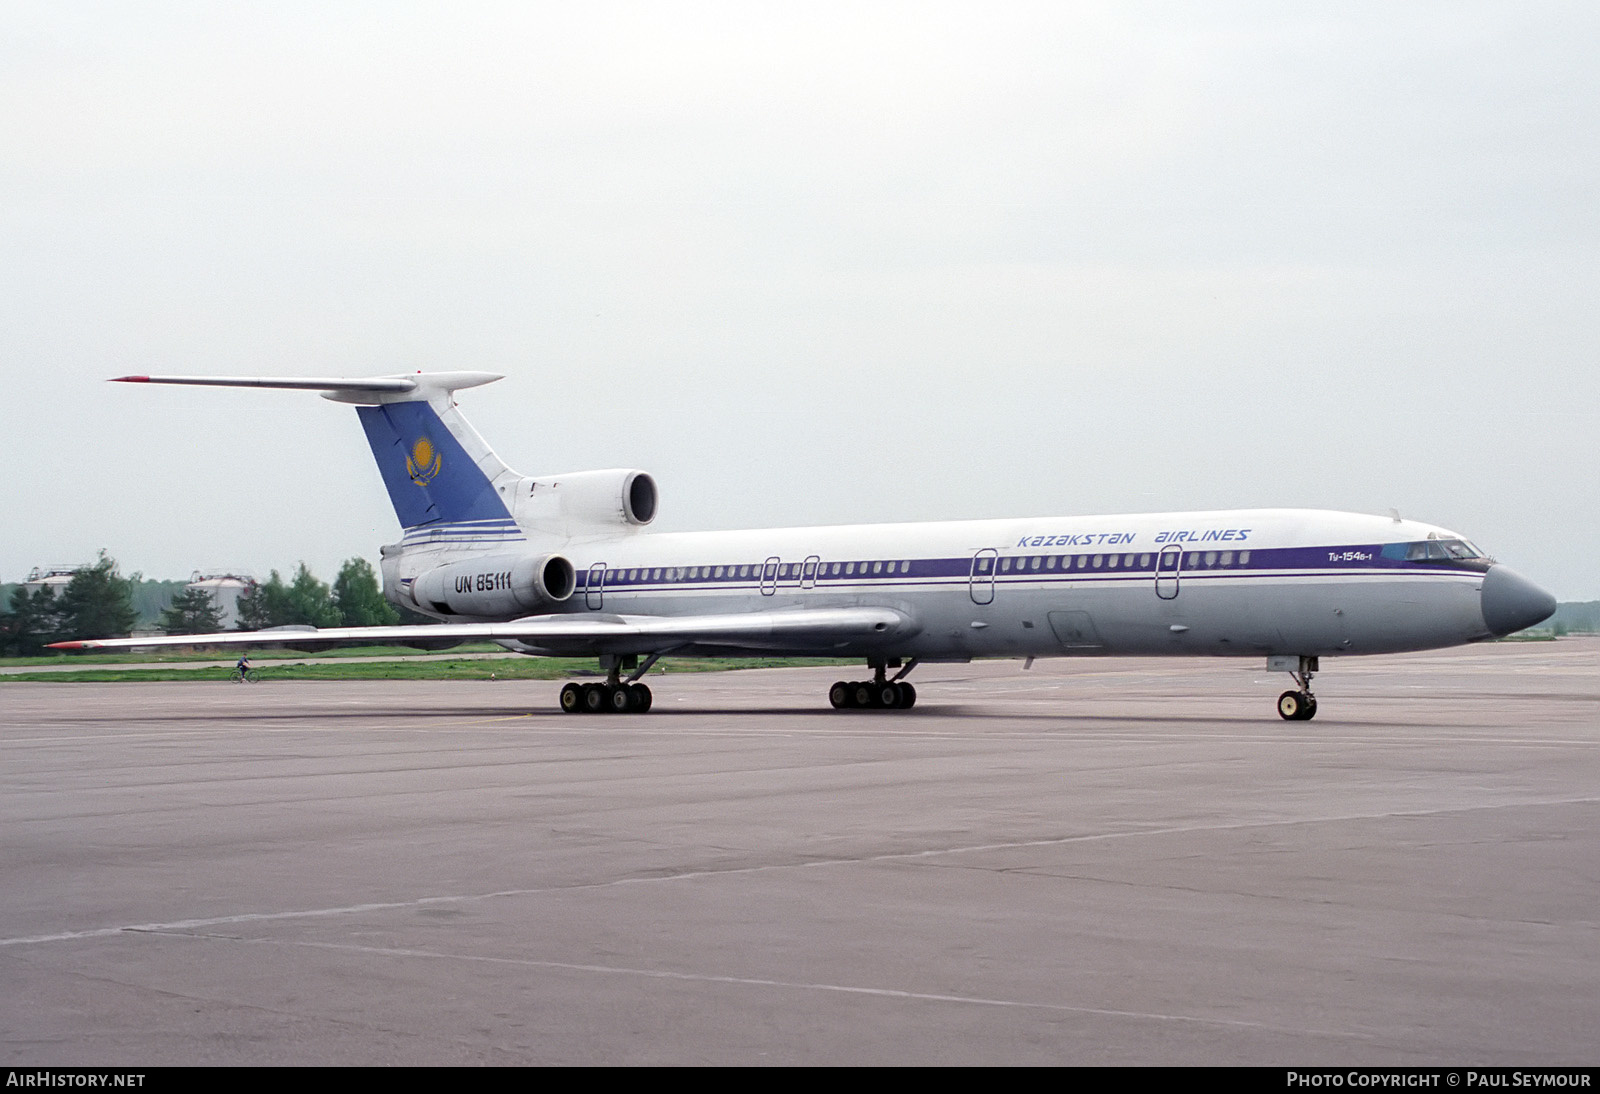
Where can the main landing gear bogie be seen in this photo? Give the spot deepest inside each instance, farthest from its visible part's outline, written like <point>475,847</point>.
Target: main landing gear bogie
<point>879,693</point>
<point>616,698</point>
<point>616,695</point>
<point>890,695</point>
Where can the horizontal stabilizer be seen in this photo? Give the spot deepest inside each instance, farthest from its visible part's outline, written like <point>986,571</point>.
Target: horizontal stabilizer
<point>374,389</point>
<point>436,468</point>
<point>577,635</point>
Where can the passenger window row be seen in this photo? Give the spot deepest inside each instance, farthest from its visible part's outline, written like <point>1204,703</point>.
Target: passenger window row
<point>791,571</point>
<point>825,571</point>
<point>1193,560</point>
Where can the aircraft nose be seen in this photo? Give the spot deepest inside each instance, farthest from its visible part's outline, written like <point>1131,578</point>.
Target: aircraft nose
<point>1512,602</point>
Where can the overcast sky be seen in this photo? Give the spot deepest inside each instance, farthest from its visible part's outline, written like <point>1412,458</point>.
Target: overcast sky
<point>818,263</point>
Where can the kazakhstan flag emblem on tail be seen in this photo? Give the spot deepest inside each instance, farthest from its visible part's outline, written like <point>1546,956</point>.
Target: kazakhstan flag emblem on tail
<point>424,462</point>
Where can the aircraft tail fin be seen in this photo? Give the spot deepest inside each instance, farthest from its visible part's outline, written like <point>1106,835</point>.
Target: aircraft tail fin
<point>436,467</point>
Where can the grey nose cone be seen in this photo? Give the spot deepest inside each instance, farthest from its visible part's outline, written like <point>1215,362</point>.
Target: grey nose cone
<point>1512,602</point>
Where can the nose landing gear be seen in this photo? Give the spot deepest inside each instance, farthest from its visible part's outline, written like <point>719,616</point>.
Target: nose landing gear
<point>1300,705</point>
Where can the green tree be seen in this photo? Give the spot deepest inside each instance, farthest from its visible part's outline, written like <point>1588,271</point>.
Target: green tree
<point>193,611</point>
<point>262,604</point>
<point>358,599</point>
<point>303,601</point>
<point>98,601</point>
<point>33,621</point>
<point>311,601</point>
<point>151,598</point>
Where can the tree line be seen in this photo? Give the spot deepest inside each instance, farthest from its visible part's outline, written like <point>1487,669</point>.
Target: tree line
<point>98,602</point>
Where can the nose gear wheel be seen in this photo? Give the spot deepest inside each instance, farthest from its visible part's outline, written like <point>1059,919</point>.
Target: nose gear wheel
<point>1301,705</point>
<point>1297,706</point>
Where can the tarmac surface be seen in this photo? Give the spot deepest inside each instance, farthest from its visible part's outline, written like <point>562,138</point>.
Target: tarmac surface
<point>1095,861</point>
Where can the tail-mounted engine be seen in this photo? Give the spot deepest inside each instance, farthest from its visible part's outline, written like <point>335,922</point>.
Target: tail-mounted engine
<point>573,504</point>
<point>496,586</point>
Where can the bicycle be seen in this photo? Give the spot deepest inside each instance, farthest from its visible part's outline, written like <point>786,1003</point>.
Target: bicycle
<point>242,676</point>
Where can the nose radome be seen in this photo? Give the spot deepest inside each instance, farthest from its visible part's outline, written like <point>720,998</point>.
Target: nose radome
<point>1512,602</point>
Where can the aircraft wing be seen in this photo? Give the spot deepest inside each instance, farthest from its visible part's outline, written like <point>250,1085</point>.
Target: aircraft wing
<point>577,635</point>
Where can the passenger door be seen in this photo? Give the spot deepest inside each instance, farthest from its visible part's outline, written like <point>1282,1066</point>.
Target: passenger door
<point>980,582</point>
<point>1167,568</point>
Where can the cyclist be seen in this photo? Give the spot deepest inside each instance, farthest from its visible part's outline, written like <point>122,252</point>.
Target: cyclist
<point>243,667</point>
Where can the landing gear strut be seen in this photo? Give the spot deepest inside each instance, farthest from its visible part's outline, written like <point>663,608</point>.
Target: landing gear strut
<point>881,693</point>
<point>1300,706</point>
<point>616,695</point>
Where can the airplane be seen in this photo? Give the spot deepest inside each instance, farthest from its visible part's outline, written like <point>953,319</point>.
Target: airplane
<point>565,565</point>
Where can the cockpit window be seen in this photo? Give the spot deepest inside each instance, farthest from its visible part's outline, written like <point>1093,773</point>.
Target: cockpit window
<point>1434,550</point>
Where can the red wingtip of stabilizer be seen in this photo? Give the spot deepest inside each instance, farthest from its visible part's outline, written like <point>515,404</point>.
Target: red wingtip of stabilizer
<point>68,646</point>
<point>130,379</point>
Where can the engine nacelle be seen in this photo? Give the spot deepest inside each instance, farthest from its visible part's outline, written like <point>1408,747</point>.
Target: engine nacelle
<point>608,499</point>
<point>495,586</point>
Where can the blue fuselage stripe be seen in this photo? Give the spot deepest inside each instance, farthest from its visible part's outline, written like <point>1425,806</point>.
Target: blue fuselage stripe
<point>1322,561</point>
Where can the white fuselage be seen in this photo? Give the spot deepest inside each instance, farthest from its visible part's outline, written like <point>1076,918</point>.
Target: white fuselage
<point>1240,582</point>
